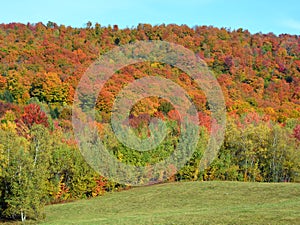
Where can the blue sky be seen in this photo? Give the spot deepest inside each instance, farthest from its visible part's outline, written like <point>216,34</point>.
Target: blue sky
<point>256,15</point>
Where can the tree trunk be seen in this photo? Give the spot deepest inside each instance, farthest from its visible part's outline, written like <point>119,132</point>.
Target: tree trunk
<point>23,216</point>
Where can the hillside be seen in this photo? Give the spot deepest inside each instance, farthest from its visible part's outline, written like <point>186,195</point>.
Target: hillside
<point>41,66</point>
<point>259,72</point>
<point>186,203</point>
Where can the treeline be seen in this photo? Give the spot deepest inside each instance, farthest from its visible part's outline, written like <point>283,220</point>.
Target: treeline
<point>40,162</point>
<point>41,65</point>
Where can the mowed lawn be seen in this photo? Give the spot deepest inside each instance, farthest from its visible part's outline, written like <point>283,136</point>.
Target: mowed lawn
<point>186,203</point>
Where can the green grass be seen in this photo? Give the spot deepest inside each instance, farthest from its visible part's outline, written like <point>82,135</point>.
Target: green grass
<point>186,203</point>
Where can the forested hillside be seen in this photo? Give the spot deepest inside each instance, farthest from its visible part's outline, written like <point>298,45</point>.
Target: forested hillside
<point>41,65</point>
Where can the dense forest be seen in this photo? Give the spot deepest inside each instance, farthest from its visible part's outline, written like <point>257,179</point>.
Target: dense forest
<point>41,65</point>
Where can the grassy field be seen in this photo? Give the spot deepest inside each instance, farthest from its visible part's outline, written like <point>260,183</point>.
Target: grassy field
<point>186,203</point>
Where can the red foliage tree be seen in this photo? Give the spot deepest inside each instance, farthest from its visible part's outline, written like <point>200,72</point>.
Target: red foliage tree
<point>33,115</point>
<point>204,120</point>
<point>297,132</point>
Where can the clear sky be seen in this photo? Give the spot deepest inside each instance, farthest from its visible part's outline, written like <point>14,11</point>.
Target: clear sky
<point>256,15</point>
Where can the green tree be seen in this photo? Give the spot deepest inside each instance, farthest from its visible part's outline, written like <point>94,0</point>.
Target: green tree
<point>16,186</point>
<point>24,173</point>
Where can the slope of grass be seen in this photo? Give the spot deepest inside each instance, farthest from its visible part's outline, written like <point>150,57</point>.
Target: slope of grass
<point>187,203</point>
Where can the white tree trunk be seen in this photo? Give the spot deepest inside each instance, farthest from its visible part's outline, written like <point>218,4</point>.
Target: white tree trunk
<point>23,216</point>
